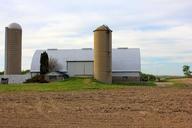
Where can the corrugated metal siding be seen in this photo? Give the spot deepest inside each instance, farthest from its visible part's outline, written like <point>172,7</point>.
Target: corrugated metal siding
<point>125,74</point>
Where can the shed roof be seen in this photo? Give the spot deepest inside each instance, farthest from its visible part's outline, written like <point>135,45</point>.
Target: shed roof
<point>54,74</point>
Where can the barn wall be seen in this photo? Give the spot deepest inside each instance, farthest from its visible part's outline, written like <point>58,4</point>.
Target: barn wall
<point>123,77</point>
<point>15,79</point>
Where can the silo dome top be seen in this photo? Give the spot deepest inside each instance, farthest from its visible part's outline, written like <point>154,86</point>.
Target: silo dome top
<point>103,28</point>
<point>14,26</point>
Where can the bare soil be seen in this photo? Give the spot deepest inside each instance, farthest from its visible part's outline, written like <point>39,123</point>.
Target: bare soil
<point>186,81</point>
<point>146,107</point>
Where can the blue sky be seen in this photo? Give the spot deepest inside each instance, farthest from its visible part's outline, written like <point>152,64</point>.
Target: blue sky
<point>162,29</point>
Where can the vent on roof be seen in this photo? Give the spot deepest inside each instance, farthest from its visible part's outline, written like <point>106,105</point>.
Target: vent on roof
<point>53,49</point>
<point>123,48</point>
<point>86,48</point>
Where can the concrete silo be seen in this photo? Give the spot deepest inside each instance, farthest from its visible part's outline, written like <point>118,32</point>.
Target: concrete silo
<point>13,49</point>
<point>103,54</point>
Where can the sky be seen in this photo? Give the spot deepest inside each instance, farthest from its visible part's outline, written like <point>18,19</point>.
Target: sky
<point>162,29</point>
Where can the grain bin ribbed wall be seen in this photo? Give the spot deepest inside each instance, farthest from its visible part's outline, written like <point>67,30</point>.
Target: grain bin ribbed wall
<point>13,46</point>
<point>103,54</point>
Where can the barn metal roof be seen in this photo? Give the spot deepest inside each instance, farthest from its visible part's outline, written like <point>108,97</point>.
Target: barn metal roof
<point>122,59</point>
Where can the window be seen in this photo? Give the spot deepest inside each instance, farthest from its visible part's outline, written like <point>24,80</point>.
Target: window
<point>52,77</point>
<point>124,78</point>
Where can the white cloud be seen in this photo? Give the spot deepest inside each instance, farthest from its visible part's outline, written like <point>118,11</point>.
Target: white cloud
<point>159,42</point>
<point>152,25</point>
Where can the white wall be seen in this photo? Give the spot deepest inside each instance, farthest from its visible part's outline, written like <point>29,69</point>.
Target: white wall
<point>16,79</point>
<point>132,74</point>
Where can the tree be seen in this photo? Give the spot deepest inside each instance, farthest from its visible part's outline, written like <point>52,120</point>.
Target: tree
<point>147,77</point>
<point>44,63</point>
<point>25,71</point>
<point>2,73</point>
<point>186,70</point>
<point>53,65</point>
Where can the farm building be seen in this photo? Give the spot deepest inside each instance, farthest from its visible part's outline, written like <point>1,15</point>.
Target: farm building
<point>126,65</point>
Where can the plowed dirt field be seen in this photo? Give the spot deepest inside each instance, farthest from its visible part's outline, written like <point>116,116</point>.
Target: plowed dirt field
<point>145,107</point>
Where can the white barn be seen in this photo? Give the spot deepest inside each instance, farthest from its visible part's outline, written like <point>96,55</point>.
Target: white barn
<point>126,64</point>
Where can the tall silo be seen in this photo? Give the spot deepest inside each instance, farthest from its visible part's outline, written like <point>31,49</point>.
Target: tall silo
<point>103,54</point>
<point>13,49</point>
